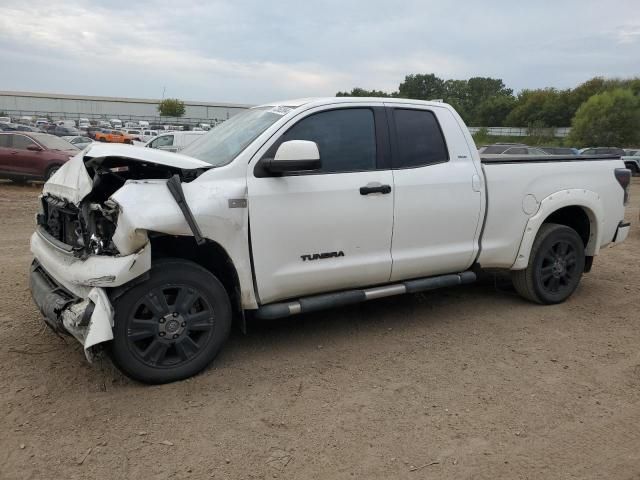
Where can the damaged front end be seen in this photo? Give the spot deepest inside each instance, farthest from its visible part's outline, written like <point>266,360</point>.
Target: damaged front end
<point>81,252</point>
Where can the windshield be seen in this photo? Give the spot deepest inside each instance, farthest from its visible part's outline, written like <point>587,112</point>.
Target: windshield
<point>222,144</point>
<point>53,143</point>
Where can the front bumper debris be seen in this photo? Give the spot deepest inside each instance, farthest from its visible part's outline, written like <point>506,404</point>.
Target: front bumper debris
<point>70,291</point>
<point>89,320</point>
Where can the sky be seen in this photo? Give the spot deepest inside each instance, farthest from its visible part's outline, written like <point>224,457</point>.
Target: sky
<point>247,51</point>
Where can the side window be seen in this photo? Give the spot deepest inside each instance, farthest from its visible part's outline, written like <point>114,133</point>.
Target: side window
<point>4,141</point>
<point>20,142</point>
<point>419,138</point>
<point>346,138</point>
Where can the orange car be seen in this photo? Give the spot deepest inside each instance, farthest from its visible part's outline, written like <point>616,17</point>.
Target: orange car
<point>113,136</point>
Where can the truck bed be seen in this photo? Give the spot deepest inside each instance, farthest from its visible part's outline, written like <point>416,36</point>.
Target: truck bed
<point>515,184</point>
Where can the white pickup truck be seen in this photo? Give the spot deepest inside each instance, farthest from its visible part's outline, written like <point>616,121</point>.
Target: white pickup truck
<point>298,206</point>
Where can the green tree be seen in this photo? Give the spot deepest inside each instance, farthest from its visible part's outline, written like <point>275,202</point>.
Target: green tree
<point>493,111</point>
<point>610,118</point>
<point>171,107</point>
<point>361,92</point>
<point>456,93</point>
<point>422,87</point>
<point>547,107</point>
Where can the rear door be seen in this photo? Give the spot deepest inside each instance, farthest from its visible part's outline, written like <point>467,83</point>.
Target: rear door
<point>437,193</point>
<point>317,231</point>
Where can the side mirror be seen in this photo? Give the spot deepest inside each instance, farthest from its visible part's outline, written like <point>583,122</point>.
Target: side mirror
<point>294,156</point>
<point>34,148</point>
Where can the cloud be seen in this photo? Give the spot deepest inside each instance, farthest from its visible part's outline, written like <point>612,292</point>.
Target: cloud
<point>250,51</point>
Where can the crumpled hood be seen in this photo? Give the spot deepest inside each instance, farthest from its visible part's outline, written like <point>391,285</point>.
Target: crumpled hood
<point>72,181</point>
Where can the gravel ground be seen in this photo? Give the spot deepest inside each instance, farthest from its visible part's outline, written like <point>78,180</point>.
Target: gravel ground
<point>469,382</point>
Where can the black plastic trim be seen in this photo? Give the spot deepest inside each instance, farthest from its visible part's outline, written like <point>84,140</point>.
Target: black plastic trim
<point>546,159</point>
<point>175,187</point>
<point>316,303</point>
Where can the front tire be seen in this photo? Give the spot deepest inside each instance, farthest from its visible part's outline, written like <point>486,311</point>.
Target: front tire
<point>172,325</point>
<point>555,266</point>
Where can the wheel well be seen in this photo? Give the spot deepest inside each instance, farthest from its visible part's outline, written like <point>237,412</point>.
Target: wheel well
<point>573,217</point>
<point>209,255</point>
<point>633,166</point>
<point>49,168</point>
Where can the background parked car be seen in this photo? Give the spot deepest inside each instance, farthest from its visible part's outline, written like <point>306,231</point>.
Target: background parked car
<point>497,148</point>
<point>79,141</point>
<point>8,127</point>
<point>32,156</point>
<point>5,119</point>
<point>510,149</point>
<point>66,123</point>
<point>113,136</point>
<point>62,131</point>
<point>632,161</point>
<point>27,128</point>
<point>136,134</point>
<point>174,141</point>
<point>602,151</point>
<point>560,150</point>
<point>148,135</point>
<point>91,132</point>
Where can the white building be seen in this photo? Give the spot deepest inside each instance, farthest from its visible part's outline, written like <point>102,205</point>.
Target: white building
<point>18,104</point>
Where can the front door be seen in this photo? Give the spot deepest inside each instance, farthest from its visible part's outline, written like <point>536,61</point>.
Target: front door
<point>317,231</point>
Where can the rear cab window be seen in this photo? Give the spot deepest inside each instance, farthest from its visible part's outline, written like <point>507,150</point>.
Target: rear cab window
<point>419,140</point>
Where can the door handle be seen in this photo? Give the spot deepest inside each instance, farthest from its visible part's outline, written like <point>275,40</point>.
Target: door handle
<point>375,188</point>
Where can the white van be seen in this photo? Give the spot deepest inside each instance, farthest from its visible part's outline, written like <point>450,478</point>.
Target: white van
<point>115,123</point>
<point>5,119</point>
<point>143,124</point>
<point>174,141</point>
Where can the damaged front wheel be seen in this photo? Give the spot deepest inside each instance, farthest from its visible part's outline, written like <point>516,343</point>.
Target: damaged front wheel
<point>172,325</point>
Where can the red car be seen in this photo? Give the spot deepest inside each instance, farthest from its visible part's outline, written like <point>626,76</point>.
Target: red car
<point>32,156</point>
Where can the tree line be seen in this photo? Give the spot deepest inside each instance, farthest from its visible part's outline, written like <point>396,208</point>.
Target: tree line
<point>601,110</point>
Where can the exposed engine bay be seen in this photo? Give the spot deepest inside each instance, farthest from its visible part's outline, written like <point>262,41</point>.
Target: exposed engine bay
<point>88,227</point>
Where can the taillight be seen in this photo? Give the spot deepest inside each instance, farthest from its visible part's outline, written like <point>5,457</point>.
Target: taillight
<point>623,176</point>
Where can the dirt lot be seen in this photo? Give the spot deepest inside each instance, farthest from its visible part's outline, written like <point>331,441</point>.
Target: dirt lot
<point>463,383</point>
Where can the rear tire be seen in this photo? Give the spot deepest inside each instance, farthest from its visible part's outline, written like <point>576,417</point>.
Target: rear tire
<point>555,266</point>
<point>172,325</point>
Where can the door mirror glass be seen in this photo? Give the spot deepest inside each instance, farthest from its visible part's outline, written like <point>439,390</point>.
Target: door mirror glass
<point>294,156</point>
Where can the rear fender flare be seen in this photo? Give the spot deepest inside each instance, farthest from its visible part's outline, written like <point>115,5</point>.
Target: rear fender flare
<point>588,200</point>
